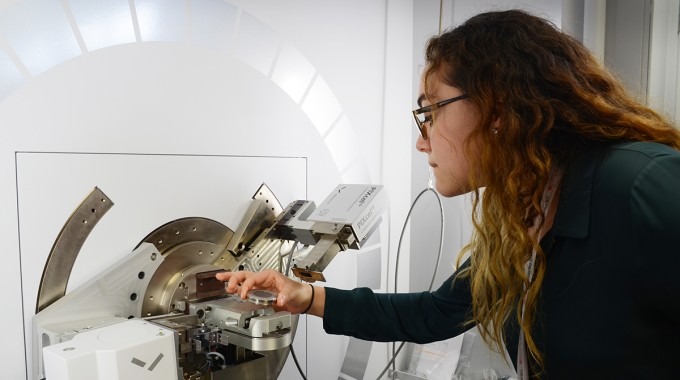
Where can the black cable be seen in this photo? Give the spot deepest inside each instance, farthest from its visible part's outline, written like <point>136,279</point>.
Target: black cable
<point>436,267</point>
<point>297,364</point>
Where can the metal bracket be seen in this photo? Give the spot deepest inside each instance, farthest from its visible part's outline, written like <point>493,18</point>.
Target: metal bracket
<point>261,214</point>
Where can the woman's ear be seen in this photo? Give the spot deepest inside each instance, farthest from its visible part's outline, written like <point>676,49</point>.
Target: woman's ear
<point>496,125</point>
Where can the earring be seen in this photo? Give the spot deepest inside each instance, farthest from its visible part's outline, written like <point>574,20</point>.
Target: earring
<point>495,131</point>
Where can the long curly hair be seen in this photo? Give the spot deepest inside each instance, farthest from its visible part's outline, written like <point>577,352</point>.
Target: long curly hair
<point>552,99</point>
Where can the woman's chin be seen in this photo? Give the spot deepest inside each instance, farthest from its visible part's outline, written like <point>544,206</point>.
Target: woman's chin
<point>445,191</point>
<point>449,191</point>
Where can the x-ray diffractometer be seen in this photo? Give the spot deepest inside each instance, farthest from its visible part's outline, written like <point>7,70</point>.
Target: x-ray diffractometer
<point>159,313</point>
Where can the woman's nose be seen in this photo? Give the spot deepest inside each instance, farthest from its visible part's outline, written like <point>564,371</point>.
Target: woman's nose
<point>422,145</point>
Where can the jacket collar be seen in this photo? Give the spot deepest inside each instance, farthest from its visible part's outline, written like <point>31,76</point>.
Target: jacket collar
<point>573,211</point>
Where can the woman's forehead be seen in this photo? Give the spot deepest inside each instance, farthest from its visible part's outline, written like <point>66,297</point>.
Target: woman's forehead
<point>429,84</point>
<point>435,77</point>
<point>432,86</point>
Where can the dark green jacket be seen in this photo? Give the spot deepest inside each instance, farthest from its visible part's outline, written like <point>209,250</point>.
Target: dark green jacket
<point>610,301</point>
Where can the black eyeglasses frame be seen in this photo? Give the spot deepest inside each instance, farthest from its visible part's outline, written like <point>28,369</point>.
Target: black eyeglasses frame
<point>420,124</point>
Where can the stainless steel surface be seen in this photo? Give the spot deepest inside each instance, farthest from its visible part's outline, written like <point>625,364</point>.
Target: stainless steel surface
<point>273,341</point>
<point>261,297</point>
<point>180,231</point>
<point>67,246</point>
<point>265,194</point>
<point>356,359</point>
<point>242,317</point>
<point>189,246</point>
<point>265,254</point>
<point>257,217</point>
<point>310,267</point>
<point>229,309</point>
<point>260,215</point>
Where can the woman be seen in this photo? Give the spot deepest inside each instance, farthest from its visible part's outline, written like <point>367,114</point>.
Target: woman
<point>572,264</point>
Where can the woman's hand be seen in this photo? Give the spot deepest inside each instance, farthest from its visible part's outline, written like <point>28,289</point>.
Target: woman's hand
<point>292,296</point>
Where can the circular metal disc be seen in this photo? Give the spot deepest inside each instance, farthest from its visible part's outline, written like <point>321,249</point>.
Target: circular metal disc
<point>261,297</point>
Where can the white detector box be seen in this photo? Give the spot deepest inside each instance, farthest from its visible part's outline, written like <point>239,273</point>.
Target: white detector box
<point>358,206</point>
<point>133,349</point>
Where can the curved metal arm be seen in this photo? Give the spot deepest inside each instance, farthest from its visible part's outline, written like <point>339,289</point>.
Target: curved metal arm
<point>67,247</point>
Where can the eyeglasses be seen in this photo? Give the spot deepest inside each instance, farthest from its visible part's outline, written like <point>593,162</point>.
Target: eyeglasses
<point>423,115</point>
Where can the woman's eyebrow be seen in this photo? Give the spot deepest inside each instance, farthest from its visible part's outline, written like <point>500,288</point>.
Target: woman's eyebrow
<point>420,100</point>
